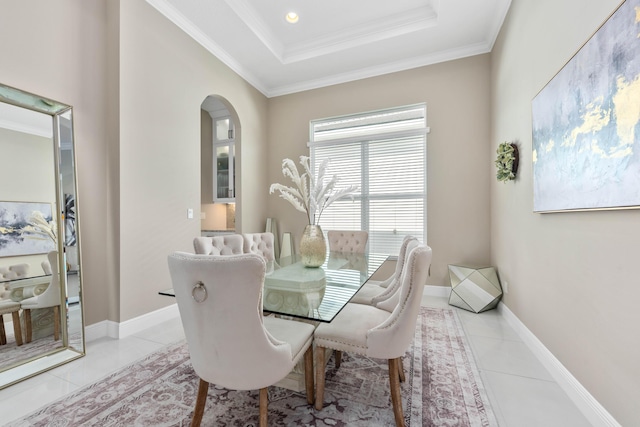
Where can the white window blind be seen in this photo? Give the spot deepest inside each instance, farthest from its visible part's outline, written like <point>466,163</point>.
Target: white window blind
<point>384,154</point>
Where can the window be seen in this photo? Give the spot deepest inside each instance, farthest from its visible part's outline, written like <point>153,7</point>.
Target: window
<point>384,154</point>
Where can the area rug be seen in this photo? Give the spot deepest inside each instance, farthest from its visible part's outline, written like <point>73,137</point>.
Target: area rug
<point>11,355</point>
<point>443,388</point>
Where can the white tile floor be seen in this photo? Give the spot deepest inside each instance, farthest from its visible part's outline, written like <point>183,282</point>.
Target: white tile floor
<point>521,391</point>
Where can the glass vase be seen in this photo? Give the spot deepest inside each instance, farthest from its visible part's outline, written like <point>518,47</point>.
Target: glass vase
<point>313,248</point>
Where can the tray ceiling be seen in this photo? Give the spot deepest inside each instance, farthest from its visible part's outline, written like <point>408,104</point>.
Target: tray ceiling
<point>334,41</point>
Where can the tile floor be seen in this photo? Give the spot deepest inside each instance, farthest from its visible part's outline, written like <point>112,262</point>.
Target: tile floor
<point>521,391</point>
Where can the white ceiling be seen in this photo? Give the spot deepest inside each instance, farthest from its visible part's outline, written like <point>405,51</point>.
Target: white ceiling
<point>334,41</point>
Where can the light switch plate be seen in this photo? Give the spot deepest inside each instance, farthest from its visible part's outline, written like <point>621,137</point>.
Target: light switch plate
<point>190,213</point>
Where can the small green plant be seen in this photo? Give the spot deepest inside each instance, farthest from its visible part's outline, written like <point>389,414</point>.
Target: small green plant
<point>507,162</point>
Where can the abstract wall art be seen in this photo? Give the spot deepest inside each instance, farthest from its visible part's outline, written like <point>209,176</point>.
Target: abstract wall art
<point>14,218</point>
<point>586,123</point>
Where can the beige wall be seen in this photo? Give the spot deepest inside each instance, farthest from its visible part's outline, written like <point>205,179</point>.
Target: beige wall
<point>136,83</point>
<point>164,78</point>
<point>26,175</point>
<point>458,157</point>
<point>571,276</point>
<point>56,49</point>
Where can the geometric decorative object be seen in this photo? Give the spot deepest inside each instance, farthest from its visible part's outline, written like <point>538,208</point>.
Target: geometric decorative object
<point>474,289</point>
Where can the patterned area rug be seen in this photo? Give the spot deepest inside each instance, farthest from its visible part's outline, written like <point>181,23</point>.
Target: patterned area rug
<point>11,355</point>
<point>443,388</point>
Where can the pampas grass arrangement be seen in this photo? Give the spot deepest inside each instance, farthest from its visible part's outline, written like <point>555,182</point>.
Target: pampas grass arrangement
<point>39,228</point>
<point>310,194</point>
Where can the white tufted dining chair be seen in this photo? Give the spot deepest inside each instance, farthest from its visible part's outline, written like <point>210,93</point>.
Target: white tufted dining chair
<point>347,240</point>
<point>7,306</point>
<point>230,343</point>
<point>227,244</point>
<point>260,243</point>
<point>373,292</point>
<point>49,298</point>
<point>378,332</point>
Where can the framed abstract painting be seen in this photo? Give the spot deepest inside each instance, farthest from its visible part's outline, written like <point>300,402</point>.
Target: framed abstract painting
<point>586,123</point>
<point>15,222</point>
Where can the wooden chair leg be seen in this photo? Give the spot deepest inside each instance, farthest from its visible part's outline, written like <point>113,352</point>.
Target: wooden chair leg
<point>201,400</point>
<point>401,370</point>
<point>17,328</point>
<point>308,374</point>
<point>338,356</point>
<point>3,334</point>
<point>264,406</point>
<point>27,325</point>
<point>395,392</point>
<point>56,322</point>
<point>319,377</point>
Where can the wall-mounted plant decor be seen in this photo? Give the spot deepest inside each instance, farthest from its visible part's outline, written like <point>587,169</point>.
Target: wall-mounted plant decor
<point>507,161</point>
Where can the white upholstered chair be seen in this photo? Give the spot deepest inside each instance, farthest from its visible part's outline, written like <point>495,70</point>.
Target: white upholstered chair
<point>373,292</point>
<point>347,240</point>
<point>49,298</point>
<point>7,306</point>
<point>261,244</point>
<point>227,244</point>
<point>230,343</point>
<point>379,332</point>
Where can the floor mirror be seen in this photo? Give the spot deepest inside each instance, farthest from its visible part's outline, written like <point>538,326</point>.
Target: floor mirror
<point>40,258</point>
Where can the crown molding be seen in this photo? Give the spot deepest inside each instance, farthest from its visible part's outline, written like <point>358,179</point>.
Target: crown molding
<point>256,24</point>
<point>194,32</point>
<point>391,67</point>
<point>368,33</point>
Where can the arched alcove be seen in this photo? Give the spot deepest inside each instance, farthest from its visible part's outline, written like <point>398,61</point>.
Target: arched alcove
<point>220,184</point>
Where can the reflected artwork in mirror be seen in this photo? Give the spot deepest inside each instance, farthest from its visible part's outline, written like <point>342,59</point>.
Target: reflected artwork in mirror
<point>40,270</point>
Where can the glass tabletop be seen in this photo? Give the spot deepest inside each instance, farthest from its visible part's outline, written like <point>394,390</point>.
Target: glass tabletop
<point>317,294</point>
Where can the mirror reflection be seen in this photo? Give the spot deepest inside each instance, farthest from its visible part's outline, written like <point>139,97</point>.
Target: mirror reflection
<point>40,286</point>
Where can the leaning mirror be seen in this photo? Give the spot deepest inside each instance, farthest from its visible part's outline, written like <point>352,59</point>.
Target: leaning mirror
<point>41,319</point>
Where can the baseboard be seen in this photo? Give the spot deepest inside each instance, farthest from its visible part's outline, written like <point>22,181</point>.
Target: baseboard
<point>108,328</point>
<point>437,291</point>
<point>587,404</point>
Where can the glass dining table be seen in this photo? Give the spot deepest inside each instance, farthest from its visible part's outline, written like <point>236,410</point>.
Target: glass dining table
<point>316,294</point>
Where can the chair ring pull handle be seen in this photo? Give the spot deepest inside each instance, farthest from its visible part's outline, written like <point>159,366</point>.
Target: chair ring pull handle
<point>199,292</point>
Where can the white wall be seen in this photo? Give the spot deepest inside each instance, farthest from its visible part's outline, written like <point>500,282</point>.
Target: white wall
<point>572,278</point>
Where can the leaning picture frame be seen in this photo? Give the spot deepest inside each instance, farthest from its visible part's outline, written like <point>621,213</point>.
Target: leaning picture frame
<point>15,237</point>
<point>586,123</point>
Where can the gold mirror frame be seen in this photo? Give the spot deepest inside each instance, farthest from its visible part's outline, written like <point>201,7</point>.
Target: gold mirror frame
<point>72,335</point>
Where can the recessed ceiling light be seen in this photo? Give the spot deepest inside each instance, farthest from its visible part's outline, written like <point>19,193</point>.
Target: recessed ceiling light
<point>292,17</point>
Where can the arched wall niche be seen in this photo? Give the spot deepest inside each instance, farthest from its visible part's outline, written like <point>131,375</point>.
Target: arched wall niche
<point>219,207</point>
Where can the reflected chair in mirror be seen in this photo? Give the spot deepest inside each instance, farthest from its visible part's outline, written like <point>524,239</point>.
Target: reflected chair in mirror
<point>378,332</point>
<point>227,244</point>
<point>347,241</point>
<point>261,244</point>
<point>231,343</point>
<point>7,306</point>
<point>372,292</point>
<point>49,298</point>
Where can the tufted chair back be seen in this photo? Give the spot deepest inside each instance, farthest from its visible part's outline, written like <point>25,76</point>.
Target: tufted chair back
<point>261,244</point>
<point>8,274</point>
<point>347,241</point>
<point>13,272</point>
<point>228,244</point>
